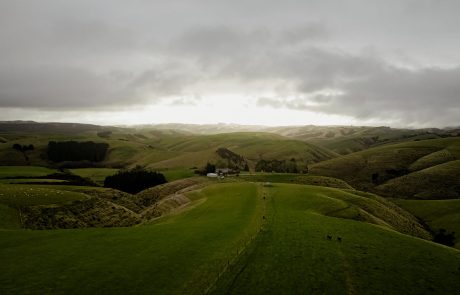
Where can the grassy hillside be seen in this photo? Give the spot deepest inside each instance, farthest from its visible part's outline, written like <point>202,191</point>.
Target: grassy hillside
<point>436,213</point>
<point>438,182</point>
<point>375,166</point>
<point>293,253</point>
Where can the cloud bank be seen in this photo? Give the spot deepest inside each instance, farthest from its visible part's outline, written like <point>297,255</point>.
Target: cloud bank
<point>396,62</point>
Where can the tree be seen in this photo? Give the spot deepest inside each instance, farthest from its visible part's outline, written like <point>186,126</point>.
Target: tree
<point>442,237</point>
<point>23,149</point>
<point>134,180</point>
<point>210,168</point>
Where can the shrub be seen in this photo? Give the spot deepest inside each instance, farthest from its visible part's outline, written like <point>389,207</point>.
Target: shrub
<point>104,134</point>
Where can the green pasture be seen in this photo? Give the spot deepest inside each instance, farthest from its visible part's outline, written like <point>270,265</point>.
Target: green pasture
<point>17,195</point>
<point>24,171</point>
<point>176,174</point>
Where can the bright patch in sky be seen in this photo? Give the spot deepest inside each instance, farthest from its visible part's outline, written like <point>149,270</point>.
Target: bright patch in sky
<point>225,109</point>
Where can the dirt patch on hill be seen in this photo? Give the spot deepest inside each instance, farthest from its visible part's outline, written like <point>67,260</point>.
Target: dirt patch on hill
<point>94,212</point>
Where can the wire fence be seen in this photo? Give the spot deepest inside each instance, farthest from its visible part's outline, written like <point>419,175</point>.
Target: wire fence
<point>230,262</point>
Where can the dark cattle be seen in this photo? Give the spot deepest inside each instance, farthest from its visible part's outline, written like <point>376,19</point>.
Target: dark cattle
<point>329,237</point>
<point>339,239</point>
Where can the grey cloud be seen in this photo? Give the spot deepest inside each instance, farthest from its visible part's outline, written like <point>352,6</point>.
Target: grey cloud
<point>381,91</point>
<point>221,46</point>
<point>90,54</point>
<point>61,87</point>
<point>56,87</point>
<point>163,81</point>
<point>306,32</point>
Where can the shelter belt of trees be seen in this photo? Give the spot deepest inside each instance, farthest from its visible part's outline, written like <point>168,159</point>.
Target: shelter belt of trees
<point>77,151</point>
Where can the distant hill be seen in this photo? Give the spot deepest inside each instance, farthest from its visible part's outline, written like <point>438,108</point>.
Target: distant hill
<point>30,126</point>
<point>155,148</point>
<point>203,128</point>
<point>426,169</point>
<point>349,139</point>
<point>340,139</point>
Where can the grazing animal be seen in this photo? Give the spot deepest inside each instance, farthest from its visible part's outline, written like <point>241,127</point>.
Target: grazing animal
<point>339,239</point>
<point>329,237</point>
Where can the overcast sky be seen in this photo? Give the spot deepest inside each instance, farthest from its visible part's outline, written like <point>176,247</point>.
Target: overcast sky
<point>266,62</point>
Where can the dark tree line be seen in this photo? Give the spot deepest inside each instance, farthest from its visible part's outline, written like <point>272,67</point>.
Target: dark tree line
<point>134,180</point>
<point>76,151</point>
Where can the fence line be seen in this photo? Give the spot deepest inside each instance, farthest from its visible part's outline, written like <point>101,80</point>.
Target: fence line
<point>242,245</point>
